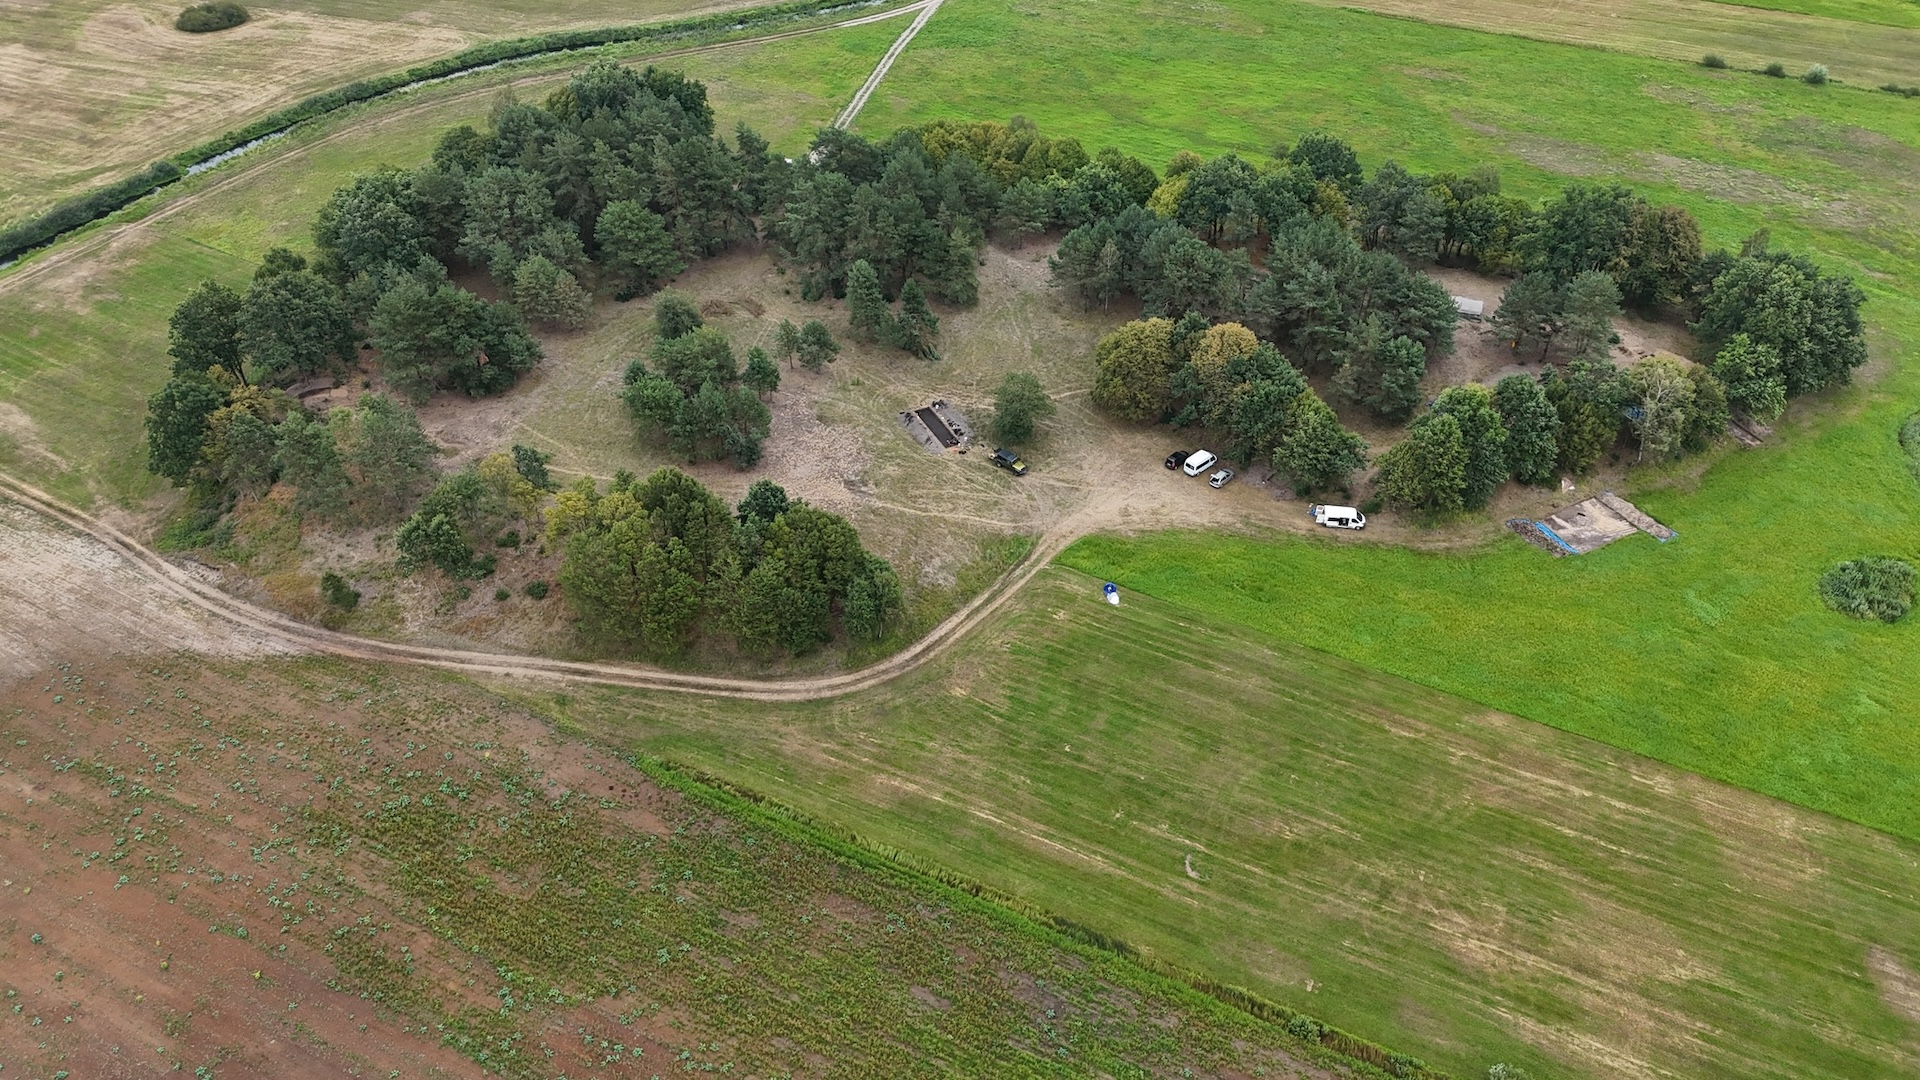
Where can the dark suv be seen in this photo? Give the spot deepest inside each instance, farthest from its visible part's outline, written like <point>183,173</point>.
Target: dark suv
<point>1178,458</point>
<point>1010,461</point>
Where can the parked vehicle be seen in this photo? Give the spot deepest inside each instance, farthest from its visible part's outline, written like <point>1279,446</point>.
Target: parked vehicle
<point>1009,461</point>
<point>1339,517</point>
<point>1219,479</point>
<point>1178,458</point>
<point>1199,461</point>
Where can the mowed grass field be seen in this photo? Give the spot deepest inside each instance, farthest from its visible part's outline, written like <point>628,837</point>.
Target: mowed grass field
<point>93,89</point>
<point>1449,880</point>
<point>1869,45</point>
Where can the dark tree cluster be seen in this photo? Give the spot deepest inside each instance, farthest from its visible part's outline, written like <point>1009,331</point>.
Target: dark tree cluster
<point>1225,378</point>
<point>1777,326</point>
<point>1331,303</point>
<point>694,396</point>
<point>210,17</point>
<point>903,219</point>
<point>659,564</point>
<point>1459,451</point>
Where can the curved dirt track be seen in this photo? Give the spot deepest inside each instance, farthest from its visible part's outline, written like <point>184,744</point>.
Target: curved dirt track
<point>299,636</point>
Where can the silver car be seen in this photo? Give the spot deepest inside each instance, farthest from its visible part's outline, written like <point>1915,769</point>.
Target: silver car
<point>1219,479</point>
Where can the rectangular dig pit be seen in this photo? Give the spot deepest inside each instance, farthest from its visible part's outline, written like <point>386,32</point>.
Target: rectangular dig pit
<point>939,427</point>
<point>1589,525</point>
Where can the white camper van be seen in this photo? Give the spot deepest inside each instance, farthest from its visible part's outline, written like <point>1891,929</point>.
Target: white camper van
<point>1339,517</point>
<point>1199,461</point>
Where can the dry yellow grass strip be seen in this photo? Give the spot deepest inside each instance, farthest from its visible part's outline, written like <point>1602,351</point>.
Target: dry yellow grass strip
<point>1859,53</point>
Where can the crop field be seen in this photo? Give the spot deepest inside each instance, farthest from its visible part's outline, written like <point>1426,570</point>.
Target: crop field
<point>95,89</point>
<point>301,869</point>
<point>1443,878</point>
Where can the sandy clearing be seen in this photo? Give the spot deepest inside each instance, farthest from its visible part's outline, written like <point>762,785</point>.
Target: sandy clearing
<point>64,593</point>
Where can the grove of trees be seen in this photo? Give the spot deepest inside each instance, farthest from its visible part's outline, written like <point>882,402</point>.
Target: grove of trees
<point>659,564</point>
<point>695,397</point>
<point>1253,277</point>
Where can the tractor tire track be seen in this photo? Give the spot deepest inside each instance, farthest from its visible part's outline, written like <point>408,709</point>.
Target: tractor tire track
<point>847,115</point>
<point>300,636</point>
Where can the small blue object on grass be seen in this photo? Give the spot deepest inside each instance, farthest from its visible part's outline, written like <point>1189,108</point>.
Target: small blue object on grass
<point>1113,593</point>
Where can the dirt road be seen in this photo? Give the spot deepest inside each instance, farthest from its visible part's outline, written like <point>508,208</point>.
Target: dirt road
<point>852,111</point>
<point>270,631</point>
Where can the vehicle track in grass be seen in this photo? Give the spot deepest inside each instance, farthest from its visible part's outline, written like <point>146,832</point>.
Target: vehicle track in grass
<point>852,111</point>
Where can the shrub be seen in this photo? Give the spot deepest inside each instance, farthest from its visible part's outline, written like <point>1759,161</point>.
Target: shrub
<point>503,594</point>
<point>207,18</point>
<point>537,590</point>
<point>1903,91</point>
<point>1775,70</point>
<point>1871,588</point>
<point>1713,60</point>
<point>1910,443</point>
<point>338,592</point>
<point>1815,76</point>
<point>508,539</point>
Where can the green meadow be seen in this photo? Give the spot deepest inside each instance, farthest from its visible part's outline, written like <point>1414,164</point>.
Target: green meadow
<point>1451,881</point>
<point>1712,652</point>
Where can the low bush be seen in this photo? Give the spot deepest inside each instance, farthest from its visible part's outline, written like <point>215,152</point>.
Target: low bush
<point>1815,76</point>
<point>537,590</point>
<point>1871,588</point>
<point>207,18</point>
<point>1903,91</point>
<point>503,594</point>
<point>1775,70</point>
<point>508,539</point>
<point>1910,444</point>
<point>337,592</point>
<point>1713,60</point>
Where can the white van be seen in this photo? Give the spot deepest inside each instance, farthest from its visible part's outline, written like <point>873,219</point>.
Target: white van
<point>1199,461</point>
<point>1339,517</point>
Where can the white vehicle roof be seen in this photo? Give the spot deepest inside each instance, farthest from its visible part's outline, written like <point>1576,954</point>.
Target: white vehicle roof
<point>1335,511</point>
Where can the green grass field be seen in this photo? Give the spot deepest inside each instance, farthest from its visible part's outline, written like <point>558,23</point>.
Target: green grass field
<point>1438,877</point>
<point>1712,652</point>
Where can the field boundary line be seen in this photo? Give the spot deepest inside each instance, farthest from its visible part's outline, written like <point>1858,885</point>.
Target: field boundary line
<point>302,636</point>
<point>847,115</point>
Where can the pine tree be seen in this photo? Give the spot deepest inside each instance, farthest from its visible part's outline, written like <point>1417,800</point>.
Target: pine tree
<point>867,310</point>
<point>786,342</point>
<point>1533,427</point>
<point>761,375</point>
<point>817,347</point>
<point>917,326</point>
